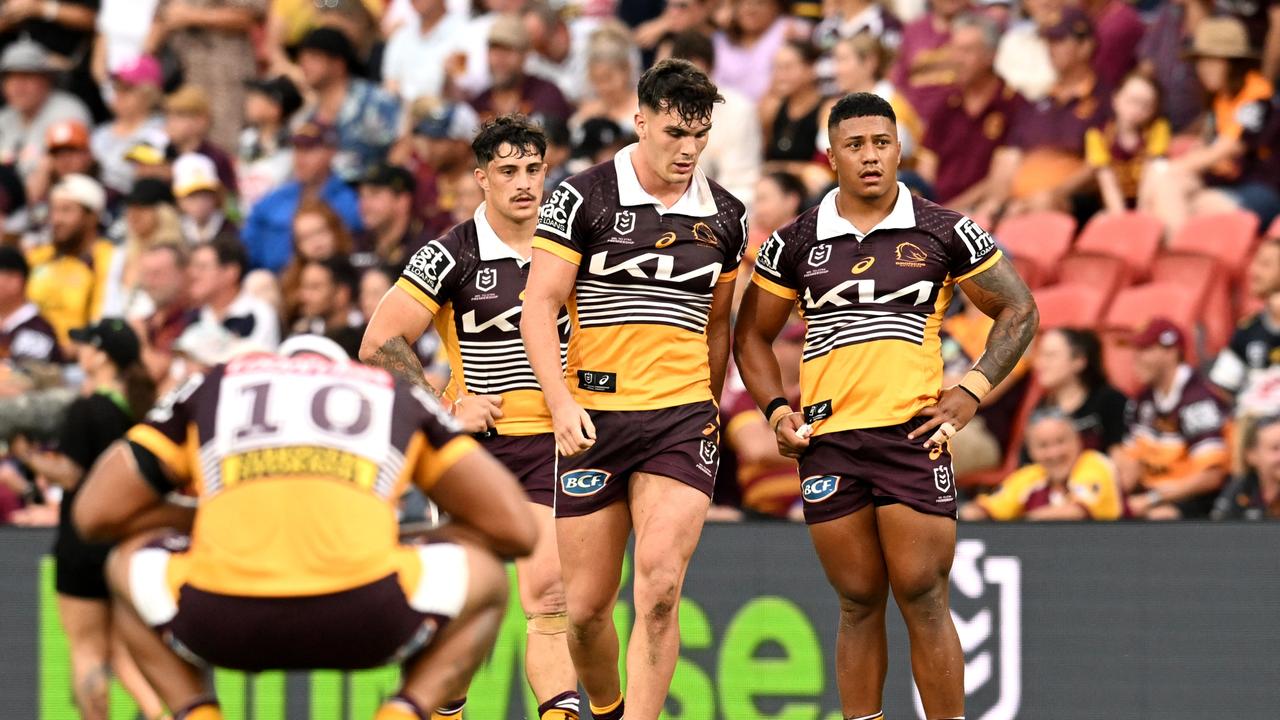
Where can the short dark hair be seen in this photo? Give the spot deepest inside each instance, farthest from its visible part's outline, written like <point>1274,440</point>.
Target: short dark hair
<point>693,46</point>
<point>515,130</point>
<point>808,52</point>
<point>861,104</point>
<point>229,251</point>
<point>341,271</point>
<point>1085,345</point>
<point>678,86</point>
<point>789,184</point>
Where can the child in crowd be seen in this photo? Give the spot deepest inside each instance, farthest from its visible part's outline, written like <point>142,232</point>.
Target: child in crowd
<point>1120,151</point>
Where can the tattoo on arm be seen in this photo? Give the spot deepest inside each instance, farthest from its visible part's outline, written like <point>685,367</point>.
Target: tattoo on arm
<point>1000,293</point>
<point>396,357</point>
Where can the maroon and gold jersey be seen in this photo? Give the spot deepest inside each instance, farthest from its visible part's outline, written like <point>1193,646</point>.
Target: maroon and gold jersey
<point>1176,435</point>
<point>645,279</point>
<point>872,305</point>
<point>297,465</point>
<point>474,284</point>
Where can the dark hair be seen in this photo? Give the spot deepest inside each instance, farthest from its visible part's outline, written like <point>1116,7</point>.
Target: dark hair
<point>807,51</point>
<point>515,130</point>
<point>861,104</point>
<point>1085,344</point>
<point>341,271</point>
<point>1238,70</point>
<point>1150,80</point>
<point>139,389</point>
<point>789,185</point>
<point>693,46</point>
<point>229,251</point>
<point>680,87</point>
<point>1255,428</point>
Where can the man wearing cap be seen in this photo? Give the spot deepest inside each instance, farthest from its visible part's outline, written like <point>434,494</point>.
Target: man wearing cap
<point>135,94</point>
<point>66,152</point>
<point>366,116</point>
<point>391,233</point>
<point>188,119</point>
<point>1041,166</point>
<point>512,90</point>
<point>442,161</point>
<point>265,159</point>
<point>268,231</point>
<point>32,104</point>
<point>199,194</point>
<point>24,335</point>
<point>74,275</point>
<point>1175,458</point>
<point>415,60</point>
<point>1262,25</point>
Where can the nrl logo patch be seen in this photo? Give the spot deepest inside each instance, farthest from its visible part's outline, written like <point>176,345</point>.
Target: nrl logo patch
<point>624,222</point>
<point>486,279</point>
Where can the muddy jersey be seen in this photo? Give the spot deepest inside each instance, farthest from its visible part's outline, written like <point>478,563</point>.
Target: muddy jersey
<point>1177,435</point>
<point>474,284</point>
<point>646,273</point>
<point>297,465</point>
<point>873,305</point>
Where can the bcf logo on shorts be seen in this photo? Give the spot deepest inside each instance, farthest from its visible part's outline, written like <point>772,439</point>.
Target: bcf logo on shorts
<point>581,483</point>
<point>819,487</point>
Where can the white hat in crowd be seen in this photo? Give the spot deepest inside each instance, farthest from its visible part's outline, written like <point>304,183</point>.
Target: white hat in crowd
<point>193,172</point>
<point>82,189</point>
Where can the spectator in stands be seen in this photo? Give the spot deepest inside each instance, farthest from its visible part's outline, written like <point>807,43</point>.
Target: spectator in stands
<point>732,156</point>
<point>974,119</point>
<point>1119,31</point>
<point>612,75</point>
<point>1068,367</point>
<point>66,30</point>
<point>374,284</point>
<point>1175,459</point>
<point>1042,166</point>
<point>187,122</point>
<point>25,336</point>
<point>469,68</point>
<point>66,153</point>
<point>789,113</point>
<point>268,229</point>
<point>162,275</point>
<point>1254,347</point>
<point>134,100</point>
<point>1022,59</point>
<point>1065,481</point>
<point>1255,495</point>
<point>1162,55</point>
<point>200,197</point>
<point>677,16</point>
<point>847,18</point>
<point>75,275</point>
<point>1121,151</point>
<point>217,273</point>
<point>558,49</point>
<point>392,234</point>
<point>265,159</point>
<point>318,234</point>
<point>1262,21</point>
<point>1236,166</point>
<point>151,159</point>
<point>32,104</point>
<point>512,90</point>
<point>418,54</point>
<point>366,116</point>
<point>150,219</point>
<point>748,43</point>
<point>923,69</point>
<point>442,154</point>
<point>327,298</point>
<point>860,64</point>
<point>1263,275</point>
<point>211,39</point>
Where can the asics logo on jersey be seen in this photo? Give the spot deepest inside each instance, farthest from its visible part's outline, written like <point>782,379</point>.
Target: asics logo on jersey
<point>508,321</point>
<point>864,292</point>
<point>863,265</point>
<point>664,268</point>
<point>819,487</point>
<point>581,483</point>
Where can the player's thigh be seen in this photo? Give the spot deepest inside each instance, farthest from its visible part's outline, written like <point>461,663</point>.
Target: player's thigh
<point>541,589</point>
<point>87,623</point>
<point>138,574</point>
<point>849,550</point>
<point>591,548</point>
<point>918,549</point>
<point>668,516</point>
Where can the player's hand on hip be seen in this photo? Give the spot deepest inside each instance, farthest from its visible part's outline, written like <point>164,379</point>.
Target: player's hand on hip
<point>477,413</point>
<point>573,427</point>
<point>954,410</point>
<point>792,440</point>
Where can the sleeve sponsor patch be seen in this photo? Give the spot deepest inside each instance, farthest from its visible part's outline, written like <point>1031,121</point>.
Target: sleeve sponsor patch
<point>1200,418</point>
<point>742,246</point>
<point>557,214</point>
<point>770,254</point>
<point>429,266</point>
<point>976,240</point>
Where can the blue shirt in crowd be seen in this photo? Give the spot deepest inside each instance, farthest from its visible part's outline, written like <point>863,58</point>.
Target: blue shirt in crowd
<point>268,232</point>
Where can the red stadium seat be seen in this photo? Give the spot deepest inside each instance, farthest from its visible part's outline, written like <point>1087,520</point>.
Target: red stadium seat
<point>1134,307</point>
<point>996,475</point>
<point>1229,237</point>
<point>1133,237</point>
<point>1070,305</point>
<point>1202,278</point>
<point>1041,237</point>
<point>1107,273</point>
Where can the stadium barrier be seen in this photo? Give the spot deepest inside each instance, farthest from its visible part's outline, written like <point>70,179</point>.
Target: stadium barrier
<point>1063,621</point>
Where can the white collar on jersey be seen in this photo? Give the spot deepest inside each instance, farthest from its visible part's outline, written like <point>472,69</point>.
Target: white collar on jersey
<point>831,224</point>
<point>697,201</point>
<point>491,246</point>
<point>19,316</point>
<point>1166,403</point>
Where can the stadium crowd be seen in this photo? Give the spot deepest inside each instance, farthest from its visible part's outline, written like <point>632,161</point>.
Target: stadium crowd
<point>223,174</point>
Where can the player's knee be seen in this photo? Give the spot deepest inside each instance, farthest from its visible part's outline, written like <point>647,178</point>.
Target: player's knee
<point>546,599</point>
<point>657,592</point>
<point>487,580</point>
<point>861,602</point>
<point>922,594</point>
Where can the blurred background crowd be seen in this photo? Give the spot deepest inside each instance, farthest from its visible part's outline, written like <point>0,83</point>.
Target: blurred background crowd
<point>182,181</point>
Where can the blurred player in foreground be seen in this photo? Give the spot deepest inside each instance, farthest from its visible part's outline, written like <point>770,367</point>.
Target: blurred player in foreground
<point>871,435</point>
<point>471,282</point>
<point>293,561</point>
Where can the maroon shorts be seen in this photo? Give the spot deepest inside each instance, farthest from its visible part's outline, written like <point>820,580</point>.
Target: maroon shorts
<point>682,443</point>
<point>846,471</point>
<point>532,459</point>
